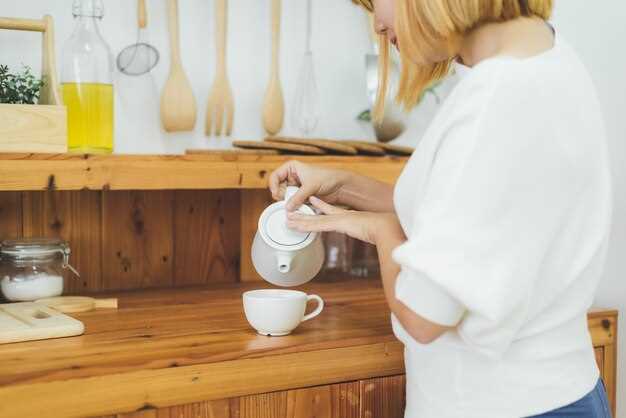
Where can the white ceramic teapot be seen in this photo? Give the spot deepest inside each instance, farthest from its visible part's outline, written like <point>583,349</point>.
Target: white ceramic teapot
<point>282,256</point>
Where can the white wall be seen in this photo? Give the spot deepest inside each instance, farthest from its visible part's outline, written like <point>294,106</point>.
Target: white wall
<point>340,42</point>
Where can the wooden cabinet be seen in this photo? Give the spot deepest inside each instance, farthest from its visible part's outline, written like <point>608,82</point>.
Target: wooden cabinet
<point>603,328</point>
<point>380,397</point>
<point>371,398</point>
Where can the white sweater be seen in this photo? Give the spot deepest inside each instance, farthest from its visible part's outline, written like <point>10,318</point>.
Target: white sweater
<point>506,204</point>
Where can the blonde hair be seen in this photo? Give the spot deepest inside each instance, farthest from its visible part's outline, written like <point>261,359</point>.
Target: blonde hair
<point>422,26</point>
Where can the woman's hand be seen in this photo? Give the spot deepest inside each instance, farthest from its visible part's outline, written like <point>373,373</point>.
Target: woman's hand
<point>364,226</point>
<point>323,182</point>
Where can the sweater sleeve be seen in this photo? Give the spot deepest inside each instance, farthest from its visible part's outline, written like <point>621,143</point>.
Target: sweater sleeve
<point>494,201</point>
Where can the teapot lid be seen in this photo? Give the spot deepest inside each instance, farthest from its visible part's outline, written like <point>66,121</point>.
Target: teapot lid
<point>277,231</point>
<point>274,230</point>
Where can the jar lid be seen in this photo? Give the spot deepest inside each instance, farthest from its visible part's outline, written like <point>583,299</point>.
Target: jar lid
<point>28,251</point>
<point>33,247</point>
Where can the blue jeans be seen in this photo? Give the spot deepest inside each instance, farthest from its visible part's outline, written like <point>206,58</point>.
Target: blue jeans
<point>594,405</point>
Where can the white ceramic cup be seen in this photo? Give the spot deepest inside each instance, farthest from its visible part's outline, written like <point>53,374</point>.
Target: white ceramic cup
<point>277,312</point>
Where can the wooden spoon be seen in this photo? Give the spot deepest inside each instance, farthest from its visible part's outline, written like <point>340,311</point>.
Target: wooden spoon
<point>274,106</point>
<point>220,104</point>
<point>178,105</point>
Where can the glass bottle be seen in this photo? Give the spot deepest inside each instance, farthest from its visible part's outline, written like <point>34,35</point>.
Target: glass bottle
<point>87,82</point>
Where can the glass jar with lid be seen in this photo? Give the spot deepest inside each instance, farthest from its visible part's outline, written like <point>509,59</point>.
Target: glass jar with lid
<point>87,82</point>
<point>32,268</point>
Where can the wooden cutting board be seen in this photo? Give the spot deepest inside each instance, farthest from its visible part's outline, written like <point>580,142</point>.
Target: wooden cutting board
<point>75,304</point>
<point>335,147</point>
<point>27,321</point>
<point>363,147</point>
<point>396,149</point>
<point>290,148</point>
<point>230,152</point>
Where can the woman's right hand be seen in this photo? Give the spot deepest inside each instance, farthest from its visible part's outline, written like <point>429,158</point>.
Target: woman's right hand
<point>324,183</point>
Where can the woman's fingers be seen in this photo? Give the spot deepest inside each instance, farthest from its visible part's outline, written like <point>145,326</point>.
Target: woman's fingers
<point>286,174</point>
<point>311,223</point>
<point>324,207</point>
<point>301,196</point>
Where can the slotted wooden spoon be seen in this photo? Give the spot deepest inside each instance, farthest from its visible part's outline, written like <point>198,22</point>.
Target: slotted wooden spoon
<point>274,106</point>
<point>178,105</point>
<point>220,105</point>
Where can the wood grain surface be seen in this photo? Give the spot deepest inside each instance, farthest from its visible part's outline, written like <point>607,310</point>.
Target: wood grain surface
<point>331,146</point>
<point>281,147</point>
<point>137,239</point>
<point>10,215</point>
<point>160,172</point>
<point>383,397</point>
<point>206,236</point>
<point>73,216</point>
<point>183,346</point>
<point>187,345</point>
<point>253,203</point>
<point>33,128</point>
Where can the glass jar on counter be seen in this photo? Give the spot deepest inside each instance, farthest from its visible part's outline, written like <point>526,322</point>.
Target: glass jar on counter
<point>87,82</point>
<point>32,268</point>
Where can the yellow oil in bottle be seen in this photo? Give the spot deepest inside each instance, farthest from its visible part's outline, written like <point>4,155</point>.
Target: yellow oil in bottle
<point>89,117</point>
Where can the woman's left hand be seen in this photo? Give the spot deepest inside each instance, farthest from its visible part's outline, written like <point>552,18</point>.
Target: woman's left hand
<point>363,226</point>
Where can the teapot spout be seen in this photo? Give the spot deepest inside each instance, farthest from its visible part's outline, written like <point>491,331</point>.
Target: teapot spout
<point>284,261</point>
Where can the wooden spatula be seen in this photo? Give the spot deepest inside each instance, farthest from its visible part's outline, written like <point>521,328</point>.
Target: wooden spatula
<point>178,105</point>
<point>274,106</point>
<point>220,106</point>
<point>74,304</point>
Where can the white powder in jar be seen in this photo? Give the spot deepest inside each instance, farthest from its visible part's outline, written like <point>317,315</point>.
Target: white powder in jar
<point>31,287</point>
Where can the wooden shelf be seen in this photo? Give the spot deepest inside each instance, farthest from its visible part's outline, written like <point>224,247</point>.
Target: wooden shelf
<point>19,172</point>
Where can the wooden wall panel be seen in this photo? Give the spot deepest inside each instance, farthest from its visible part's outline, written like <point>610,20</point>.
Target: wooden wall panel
<point>137,239</point>
<point>10,215</point>
<point>75,217</point>
<point>253,202</point>
<point>143,239</point>
<point>206,236</point>
<point>383,397</point>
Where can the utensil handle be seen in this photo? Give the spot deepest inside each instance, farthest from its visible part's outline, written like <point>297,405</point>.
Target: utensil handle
<point>317,311</point>
<point>142,16</point>
<point>221,22</point>
<point>110,303</point>
<point>32,25</point>
<point>172,21</point>
<point>276,7</point>
<point>309,17</point>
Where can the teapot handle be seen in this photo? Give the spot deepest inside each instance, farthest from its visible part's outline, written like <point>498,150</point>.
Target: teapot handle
<point>290,191</point>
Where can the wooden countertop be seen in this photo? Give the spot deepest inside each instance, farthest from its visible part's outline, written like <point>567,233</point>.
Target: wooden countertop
<point>166,347</point>
<point>155,172</point>
<point>173,346</point>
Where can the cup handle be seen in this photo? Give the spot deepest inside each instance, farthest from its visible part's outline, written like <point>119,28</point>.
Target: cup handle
<point>317,311</point>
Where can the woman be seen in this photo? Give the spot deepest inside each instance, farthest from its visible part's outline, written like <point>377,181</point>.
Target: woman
<point>492,243</point>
